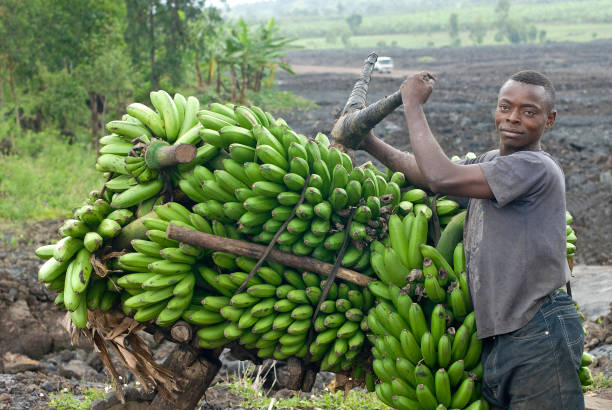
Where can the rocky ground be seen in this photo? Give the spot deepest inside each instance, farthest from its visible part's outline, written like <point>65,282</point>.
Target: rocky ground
<point>36,358</point>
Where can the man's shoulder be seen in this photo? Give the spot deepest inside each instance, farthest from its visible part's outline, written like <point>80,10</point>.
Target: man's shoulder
<point>541,157</point>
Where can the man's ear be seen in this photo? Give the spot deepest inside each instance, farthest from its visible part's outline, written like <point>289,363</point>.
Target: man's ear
<point>551,119</point>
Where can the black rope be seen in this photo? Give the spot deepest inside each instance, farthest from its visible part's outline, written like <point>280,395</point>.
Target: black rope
<point>330,279</point>
<point>435,221</point>
<point>263,257</point>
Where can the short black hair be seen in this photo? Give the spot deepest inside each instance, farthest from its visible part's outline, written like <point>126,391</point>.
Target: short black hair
<point>536,78</point>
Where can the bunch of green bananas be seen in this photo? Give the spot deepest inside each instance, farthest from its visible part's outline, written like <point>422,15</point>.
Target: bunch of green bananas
<point>425,347</point>
<point>266,170</point>
<point>169,280</point>
<point>122,153</point>
<point>133,190</point>
<point>419,357</point>
<point>68,268</point>
<point>571,236</point>
<point>249,174</point>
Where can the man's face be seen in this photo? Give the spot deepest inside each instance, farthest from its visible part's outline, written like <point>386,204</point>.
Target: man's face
<point>522,114</point>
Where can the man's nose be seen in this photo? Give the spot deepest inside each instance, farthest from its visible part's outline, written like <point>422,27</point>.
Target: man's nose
<point>514,116</point>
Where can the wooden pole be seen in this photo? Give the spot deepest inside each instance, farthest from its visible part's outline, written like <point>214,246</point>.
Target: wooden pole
<point>255,251</point>
<point>357,119</point>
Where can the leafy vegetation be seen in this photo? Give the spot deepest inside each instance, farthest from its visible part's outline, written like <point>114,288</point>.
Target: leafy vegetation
<point>87,59</point>
<point>68,401</point>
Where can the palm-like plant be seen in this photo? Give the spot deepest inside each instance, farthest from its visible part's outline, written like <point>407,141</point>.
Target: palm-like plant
<point>252,52</point>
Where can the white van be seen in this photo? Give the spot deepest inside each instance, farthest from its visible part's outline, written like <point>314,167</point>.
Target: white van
<point>384,64</point>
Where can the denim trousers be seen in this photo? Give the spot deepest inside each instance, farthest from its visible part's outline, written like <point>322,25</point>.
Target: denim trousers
<point>535,367</point>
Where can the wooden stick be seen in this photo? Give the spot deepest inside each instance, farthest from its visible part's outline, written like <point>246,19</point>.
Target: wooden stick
<point>357,119</point>
<point>255,251</point>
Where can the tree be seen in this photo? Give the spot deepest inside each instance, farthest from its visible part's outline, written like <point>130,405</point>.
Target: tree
<point>502,8</point>
<point>107,79</point>
<point>354,21</point>
<point>513,30</point>
<point>157,36</point>
<point>63,101</point>
<point>478,30</point>
<point>453,29</point>
<point>542,36</point>
<point>18,46</point>
<point>532,33</point>
<point>251,52</point>
<point>203,38</point>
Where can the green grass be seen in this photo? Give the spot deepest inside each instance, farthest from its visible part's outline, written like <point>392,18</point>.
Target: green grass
<point>45,178</point>
<point>248,386</point>
<point>252,397</point>
<point>600,381</point>
<point>554,32</point>
<point>67,401</point>
<point>277,101</point>
<point>430,19</point>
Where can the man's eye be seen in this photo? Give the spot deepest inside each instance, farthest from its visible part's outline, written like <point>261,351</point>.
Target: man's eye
<point>503,107</point>
<point>530,113</point>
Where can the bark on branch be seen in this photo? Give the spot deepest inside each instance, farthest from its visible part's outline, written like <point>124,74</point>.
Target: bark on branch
<point>252,250</point>
<point>357,119</point>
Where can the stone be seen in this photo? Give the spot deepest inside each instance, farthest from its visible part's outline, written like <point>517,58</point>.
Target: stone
<point>17,363</point>
<point>597,403</point>
<point>52,367</point>
<point>12,293</point>
<point>284,394</point>
<point>67,355</point>
<point>77,369</point>
<point>49,386</point>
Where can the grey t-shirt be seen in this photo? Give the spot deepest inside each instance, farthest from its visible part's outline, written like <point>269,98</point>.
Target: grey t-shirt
<point>515,243</point>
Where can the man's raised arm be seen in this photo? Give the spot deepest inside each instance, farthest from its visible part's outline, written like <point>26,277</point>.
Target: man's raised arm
<point>438,172</point>
<point>394,159</point>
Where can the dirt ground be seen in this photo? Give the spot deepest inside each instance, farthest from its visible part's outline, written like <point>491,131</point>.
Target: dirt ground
<point>36,359</point>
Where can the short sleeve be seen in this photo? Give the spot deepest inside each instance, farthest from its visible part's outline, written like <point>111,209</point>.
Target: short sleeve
<point>511,177</point>
<point>464,201</point>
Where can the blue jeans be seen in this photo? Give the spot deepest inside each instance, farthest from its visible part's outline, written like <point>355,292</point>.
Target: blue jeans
<point>535,367</point>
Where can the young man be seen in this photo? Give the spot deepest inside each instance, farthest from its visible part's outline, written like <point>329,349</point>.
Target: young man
<point>514,242</point>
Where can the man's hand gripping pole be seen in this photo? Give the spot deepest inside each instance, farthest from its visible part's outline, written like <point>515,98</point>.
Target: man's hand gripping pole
<point>356,119</point>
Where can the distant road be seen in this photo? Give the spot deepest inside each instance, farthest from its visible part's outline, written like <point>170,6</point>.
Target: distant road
<point>318,69</point>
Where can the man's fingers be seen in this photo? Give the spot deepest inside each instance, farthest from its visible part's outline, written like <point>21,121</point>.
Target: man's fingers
<point>430,78</point>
